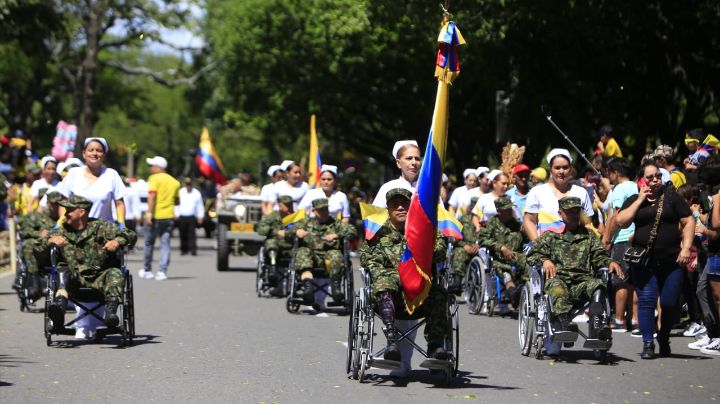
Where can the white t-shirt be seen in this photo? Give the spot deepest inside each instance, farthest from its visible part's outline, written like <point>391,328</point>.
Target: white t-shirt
<point>485,207</point>
<point>39,185</point>
<point>191,203</point>
<point>296,192</point>
<point>380,198</point>
<point>133,210</point>
<point>542,200</point>
<point>471,193</point>
<point>457,196</point>
<point>337,202</point>
<point>103,192</point>
<point>267,193</point>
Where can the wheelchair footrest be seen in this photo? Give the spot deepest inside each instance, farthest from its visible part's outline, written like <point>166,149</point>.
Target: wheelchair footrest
<point>437,364</point>
<point>385,364</point>
<point>335,304</point>
<point>564,336</point>
<point>597,344</point>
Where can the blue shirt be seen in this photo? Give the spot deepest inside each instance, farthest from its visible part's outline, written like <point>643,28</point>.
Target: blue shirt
<point>517,200</point>
<point>621,193</point>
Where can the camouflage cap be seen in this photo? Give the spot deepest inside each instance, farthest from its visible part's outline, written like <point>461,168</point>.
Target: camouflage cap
<point>285,199</point>
<point>569,202</point>
<point>320,203</point>
<point>75,201</point>
<point>55,197</point>
<point>503,203</point>
<point>32,168</point>
<point>395,192</point>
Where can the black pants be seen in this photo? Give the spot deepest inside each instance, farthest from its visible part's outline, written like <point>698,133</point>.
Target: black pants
<point>186,225</point>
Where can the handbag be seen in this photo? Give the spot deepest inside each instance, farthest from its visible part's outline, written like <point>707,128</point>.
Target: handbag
<point>641,255</point>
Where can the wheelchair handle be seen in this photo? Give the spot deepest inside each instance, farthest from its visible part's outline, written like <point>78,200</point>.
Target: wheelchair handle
<point>604,274</point>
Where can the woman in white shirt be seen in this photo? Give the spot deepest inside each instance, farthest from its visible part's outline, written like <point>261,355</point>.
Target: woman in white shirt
<point>293,185</point>
<point>338,204</point>
<point>408,160</point>
<point>541,206</point>
<point>101,185</point>
<point>484,209</point>
<point>455,203</point>
<point>267,193</point>
<point>47,179</point>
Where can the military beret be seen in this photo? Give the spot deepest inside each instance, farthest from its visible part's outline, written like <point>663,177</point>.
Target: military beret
<point>503,203</point>
<point>320,203</point>
<point>76,201</point>
<point>398,192</point>
<point>285,199</point>
<point>569,202</point>
<point>32,168</point>
<point>55,197</point>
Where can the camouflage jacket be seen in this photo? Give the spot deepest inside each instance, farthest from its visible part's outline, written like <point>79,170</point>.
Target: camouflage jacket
<point>317,230</point>
<point>269,225</point>
<point>575,255</point>
<point>383,252</point>
<point>496,234</point>
<point>84,250</point>
<point>30,225</point>
<point>470,235</point>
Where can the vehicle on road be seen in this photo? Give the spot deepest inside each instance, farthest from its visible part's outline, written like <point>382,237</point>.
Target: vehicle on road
<point>237,215</point>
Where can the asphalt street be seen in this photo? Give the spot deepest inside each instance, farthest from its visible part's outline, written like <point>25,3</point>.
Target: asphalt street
<point>204,336</point>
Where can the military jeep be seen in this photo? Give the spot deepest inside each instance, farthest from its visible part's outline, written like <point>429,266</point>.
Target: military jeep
<point>236,218</point>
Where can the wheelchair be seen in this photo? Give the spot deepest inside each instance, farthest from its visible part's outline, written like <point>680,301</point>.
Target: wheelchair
<point>361,335</point>
<point>535,312</point>
<point>484,286</point>
<point>26,301</point>
<point>266,275</point>
<point>321,284</point>
<point>126,308</point>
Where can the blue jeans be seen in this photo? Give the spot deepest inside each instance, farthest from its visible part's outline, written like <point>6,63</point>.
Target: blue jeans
<point>653,281</point>
<point>162,228</point>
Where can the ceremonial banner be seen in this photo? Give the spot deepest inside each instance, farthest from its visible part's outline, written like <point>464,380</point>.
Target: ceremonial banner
<point>207,160</point>
<point>314,162</point>
<point>416,265</point>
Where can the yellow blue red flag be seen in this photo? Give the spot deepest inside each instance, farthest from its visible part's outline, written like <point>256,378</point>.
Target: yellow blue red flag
<point>416,264</point>
<point>291,219</point>
<point>208,161</point>
<point>373,219</point>
<point>448,224</point>
<point>314,162</point>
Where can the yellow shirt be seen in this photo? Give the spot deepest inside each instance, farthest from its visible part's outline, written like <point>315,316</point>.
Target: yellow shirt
<point>612,149</point>
<point>166,190</point>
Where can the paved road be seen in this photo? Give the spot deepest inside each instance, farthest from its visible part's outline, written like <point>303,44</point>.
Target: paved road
<point>205,336</point>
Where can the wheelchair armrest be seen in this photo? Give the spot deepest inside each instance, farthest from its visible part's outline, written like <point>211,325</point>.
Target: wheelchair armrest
<point>604,274</point>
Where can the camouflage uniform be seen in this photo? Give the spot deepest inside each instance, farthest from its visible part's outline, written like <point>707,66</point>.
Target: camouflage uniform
<point>314,252</point>
<point>88,263</point>
<point>577,256</point>
<point>29,228</point>
<point>496,234</point>
<point>381,256</point>
<point>269,226</point>
<point>459,257</point>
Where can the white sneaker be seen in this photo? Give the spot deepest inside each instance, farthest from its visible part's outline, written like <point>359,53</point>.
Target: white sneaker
<point>143,274</point>
<point>713,348</point>
<point>700,343</point>
<point>160,276</point>
<point>80,333</point>
<point>694,329</point>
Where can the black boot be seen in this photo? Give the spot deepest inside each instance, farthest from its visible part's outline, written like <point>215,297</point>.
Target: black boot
<point>648,351</point>
<point>392,352</point>
<point>664,346</point>
<point>386,308</point>
<point>308,292</point>
<point>111,317</point>
<point>564,323</point>
<point>56,312</point>
<point>337,290</point>
<point>17,284</point>
<point>455,285</point>
<point>33,286</point>
<point>437,351</point>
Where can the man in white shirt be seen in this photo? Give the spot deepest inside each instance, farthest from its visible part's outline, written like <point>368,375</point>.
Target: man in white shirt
<point>189,214</point>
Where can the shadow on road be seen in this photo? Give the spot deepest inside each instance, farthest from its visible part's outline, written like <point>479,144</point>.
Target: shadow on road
<point>9,361</point>
<point>176,278</point>
<point>137,341</point>
<point>464,380</point>
<point>5,384</point>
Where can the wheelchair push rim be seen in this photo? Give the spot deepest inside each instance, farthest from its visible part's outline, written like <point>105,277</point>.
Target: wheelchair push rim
<point>526,326</point>
<point>474,287</point>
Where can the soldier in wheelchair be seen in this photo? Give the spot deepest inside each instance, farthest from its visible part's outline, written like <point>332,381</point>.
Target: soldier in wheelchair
<point>88,259</point>
<point>381,257</point>
<point>503,237</point>
<point>320,246</point>
<point>571,261</point>
<point>278,247</point>
<point>464,250</point>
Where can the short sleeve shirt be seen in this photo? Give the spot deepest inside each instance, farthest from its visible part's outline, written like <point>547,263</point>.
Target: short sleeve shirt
<point>39,185</point>
<point>296,192</point>
<point>166,189</point>
<point>338,204</point>
<point>485,207</point>
<point>542,201</point>
<point>267,193</point>
<point>381,199</point>
<point>612,149</point>
<point>457,196</point>
<point>620,194</point>
<point>103,192</point>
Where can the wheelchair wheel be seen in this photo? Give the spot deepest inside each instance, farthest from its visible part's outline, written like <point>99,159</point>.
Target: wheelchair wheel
<point>259,278</point>
<point>349,287</point>
<point>352,365</point>
<point>47,324</point>
<point>290,305</point>
<point>526,321</point>
<point>128,315</point>
<point>474,286</point>
<point>453,312</point>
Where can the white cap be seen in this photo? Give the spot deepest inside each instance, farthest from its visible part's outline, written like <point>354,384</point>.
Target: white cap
<point>329,168</point>
<point>494,173</point>
<point>665,176</point>
<point>272,170</point>
<point>481,170</point>
<point>559,152</point>
<point>445,178</point>
<point>469,171</point>
<point>61,167</point>
<point>47,159</point>
<point>74,161</point>
<point>100,140</point>
<point>285,164</point>
<point>157,161</point>
<point>400,143</point>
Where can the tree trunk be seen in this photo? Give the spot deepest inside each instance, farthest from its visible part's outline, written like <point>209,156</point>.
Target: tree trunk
<point>93,30</point>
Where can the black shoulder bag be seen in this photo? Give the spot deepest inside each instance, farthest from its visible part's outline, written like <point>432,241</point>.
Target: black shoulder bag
<point>641,255</point>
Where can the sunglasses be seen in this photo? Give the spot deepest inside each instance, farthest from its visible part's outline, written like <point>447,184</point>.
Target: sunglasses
<point>655,176</point>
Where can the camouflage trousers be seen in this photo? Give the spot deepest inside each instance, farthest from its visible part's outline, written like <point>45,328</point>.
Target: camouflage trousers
<point>516,269</point>
<point>283,248</point>
<point>33,260</point>
<point>561,292</point>
<point>459,259</point>
<point>307,259</point>
<point>109,281</point>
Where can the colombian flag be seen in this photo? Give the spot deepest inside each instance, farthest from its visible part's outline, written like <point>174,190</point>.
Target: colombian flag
<point>373,219</point>
<point>291,219</point>
<point>416,264</point>
<point>314,162</point>
<point>208,161</point>
<point>448,224</point>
